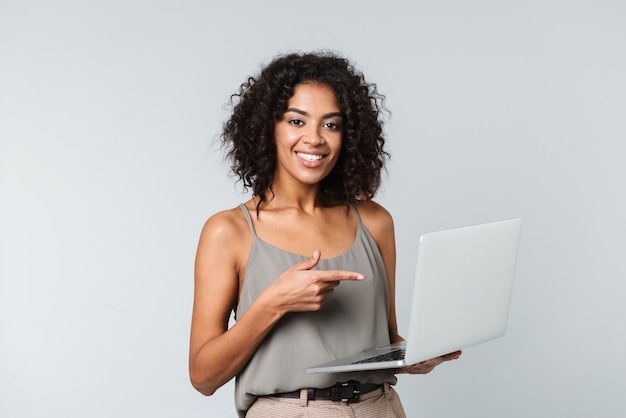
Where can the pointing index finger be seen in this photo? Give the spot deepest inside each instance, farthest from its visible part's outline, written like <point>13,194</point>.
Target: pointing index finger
<point>334,275</point>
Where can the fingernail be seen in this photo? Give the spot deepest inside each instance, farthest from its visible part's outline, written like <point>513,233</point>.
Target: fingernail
<point>360,277</point>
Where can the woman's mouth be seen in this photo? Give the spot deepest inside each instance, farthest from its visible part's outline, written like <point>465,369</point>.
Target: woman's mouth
<point>309,157</point>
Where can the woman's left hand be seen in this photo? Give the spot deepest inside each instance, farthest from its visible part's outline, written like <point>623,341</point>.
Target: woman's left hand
<point>427,366</point>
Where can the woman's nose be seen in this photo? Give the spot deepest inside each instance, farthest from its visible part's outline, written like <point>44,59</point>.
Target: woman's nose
<point>313,137</point>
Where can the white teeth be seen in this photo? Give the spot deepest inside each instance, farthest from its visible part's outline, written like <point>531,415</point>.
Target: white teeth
<point>309,157</point>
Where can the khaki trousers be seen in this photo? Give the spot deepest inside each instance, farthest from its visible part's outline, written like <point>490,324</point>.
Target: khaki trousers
<point>379,403</point>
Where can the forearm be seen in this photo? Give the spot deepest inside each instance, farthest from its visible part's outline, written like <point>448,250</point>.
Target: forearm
<point>221,358</point>
<point>394,337</point>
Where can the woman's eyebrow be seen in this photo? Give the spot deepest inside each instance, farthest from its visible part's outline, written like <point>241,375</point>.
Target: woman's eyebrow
<point>305,113</point>
<point>333,115</point>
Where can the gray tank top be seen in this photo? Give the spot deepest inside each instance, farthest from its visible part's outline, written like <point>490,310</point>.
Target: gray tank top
<point>353,318</point>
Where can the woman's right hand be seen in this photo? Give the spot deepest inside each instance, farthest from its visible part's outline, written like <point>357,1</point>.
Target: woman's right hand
<point>303,289</point>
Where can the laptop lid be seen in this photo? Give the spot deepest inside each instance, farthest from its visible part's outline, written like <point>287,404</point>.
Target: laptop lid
<point>461,296</point>
<point>463,285</point>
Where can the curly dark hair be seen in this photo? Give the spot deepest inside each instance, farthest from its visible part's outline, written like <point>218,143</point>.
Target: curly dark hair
<point>248,135</point>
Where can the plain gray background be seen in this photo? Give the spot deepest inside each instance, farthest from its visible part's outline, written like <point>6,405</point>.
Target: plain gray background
<point>108,110</point>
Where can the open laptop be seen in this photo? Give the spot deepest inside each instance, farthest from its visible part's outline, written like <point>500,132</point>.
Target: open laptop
<point>461,296</point>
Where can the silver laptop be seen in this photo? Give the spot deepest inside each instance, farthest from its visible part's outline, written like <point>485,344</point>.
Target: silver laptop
<point>461,296</point>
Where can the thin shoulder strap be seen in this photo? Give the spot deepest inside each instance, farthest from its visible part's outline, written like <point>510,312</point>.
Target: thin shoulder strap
<point>356,212</point>
<point>246,212</point>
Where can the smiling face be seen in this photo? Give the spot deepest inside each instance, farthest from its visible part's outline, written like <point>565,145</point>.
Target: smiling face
<point>308,136</point>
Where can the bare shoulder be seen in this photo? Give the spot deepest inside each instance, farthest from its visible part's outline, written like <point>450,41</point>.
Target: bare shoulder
<point>375,217</point>
<point>225,229</point>
<point>225,224</point>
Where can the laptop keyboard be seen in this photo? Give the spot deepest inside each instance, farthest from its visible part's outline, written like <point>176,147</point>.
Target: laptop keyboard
<point>391,356</point>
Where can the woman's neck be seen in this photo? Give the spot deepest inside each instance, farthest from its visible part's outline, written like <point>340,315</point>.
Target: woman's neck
<point>305,199</point>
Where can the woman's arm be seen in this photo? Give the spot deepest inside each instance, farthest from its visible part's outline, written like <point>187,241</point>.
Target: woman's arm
<point>218,353</point>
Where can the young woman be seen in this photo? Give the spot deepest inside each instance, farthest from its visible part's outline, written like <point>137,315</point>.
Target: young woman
<point>308,263</point>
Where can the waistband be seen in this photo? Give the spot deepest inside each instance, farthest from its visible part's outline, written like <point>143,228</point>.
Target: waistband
<point>344,392</point>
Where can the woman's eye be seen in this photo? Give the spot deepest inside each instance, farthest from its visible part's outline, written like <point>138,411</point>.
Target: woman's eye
<point>331,126</point>
<point>296,122</point>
